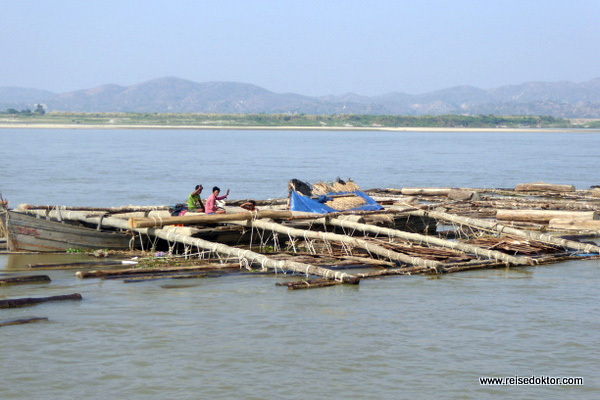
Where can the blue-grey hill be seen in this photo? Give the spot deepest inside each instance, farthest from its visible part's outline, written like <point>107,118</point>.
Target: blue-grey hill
<point>175,95</point>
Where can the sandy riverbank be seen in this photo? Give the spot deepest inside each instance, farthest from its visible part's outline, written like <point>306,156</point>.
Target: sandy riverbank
<point>280,128</point>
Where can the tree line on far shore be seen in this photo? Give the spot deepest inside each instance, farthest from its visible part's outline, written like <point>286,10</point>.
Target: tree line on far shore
<point>39,110</point>
<point>301,120</point>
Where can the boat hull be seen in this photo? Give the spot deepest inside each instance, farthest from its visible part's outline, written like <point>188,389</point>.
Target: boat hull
<point>29,233</point>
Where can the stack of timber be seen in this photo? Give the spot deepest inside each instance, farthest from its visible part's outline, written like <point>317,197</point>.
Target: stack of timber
<point>418,231</point>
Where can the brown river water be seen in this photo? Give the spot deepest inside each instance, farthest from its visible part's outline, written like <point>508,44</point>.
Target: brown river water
<point>243,337</point>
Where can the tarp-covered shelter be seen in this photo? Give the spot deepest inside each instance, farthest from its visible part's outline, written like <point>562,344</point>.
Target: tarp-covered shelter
<point>323,198</point>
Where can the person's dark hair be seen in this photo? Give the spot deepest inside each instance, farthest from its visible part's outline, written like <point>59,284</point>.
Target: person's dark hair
<point>198,187</point>
<point>216,188</point>
<point>252,202</point>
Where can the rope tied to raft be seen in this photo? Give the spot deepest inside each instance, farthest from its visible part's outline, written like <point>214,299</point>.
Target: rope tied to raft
<point>291,240</point>
<point>159,219</point>
<point>589,248</point>
<point>311,247</point>
<point>244,263</point>
<point>262,264</point>
<point>346,248</point>
<point>100,221</point>
<point>276,245</point>
<point>132,242</point>
<point>339,276</point>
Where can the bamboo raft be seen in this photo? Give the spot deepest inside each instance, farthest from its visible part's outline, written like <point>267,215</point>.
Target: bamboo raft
<point>418,231</point>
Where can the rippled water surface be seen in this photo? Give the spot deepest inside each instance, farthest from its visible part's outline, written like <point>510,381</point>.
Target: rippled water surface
<point>116,167</point>
<point>243,337</point>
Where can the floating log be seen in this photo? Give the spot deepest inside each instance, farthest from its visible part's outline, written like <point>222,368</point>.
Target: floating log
<point>496,227</point>
<point>432,240</point>
<point>146,278</point>
<point>22,321</point>
<point>579,224</point>
<point>543,187</point>
<point>206,218</point>
<point>308,284</point>
<point>77,264</point>
<point>356,242</point>
<point>23,280</point>
<point>471,266</point>
<point>426,191</point>
<point>30,301</point>
<point>146,271</point>
<point>543,215</point>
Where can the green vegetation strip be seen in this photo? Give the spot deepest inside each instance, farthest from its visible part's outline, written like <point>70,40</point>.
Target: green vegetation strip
<point>295,120</point>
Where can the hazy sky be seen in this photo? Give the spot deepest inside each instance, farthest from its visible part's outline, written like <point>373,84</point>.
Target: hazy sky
<point>308,47</point>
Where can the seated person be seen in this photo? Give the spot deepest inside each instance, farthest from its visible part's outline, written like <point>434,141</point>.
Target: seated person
<point>250,205</point>
<point>211,207</point>
<point>194,203</point>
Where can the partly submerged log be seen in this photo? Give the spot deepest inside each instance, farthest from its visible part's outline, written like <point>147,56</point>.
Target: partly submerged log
<point>544,215</point>
<point>23,280</point>
<point>497,227</point>
<point>308,284</point>
<point>78,264</point>
<point>22,321</point>
<point>543,187</point>
<point>30,301</point>
<point>146,271</point>
<point>432,240</point>
<point>193,275</point>
<point>579,224</point>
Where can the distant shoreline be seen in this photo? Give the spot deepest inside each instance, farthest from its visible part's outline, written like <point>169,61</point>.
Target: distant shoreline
<point>284,128</point>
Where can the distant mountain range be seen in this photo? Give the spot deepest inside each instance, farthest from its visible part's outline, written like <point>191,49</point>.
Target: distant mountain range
<point>175,95</point>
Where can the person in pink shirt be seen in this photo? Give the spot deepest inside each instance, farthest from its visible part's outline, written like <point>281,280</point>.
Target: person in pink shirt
<point>210,207</point>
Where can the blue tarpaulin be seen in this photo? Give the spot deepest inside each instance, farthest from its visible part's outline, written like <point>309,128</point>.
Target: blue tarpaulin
<point>306,204</point>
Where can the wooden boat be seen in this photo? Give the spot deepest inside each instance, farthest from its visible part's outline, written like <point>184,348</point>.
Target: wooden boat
<point>31,233</point>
